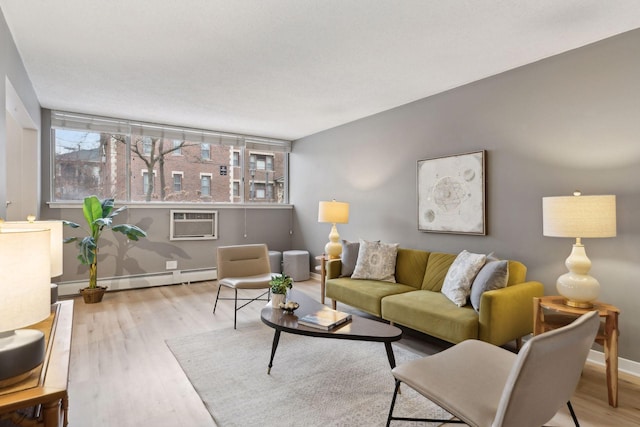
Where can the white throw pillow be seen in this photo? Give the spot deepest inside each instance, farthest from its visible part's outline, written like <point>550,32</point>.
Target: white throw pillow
<point>376,261</point>
<point>457,283</point>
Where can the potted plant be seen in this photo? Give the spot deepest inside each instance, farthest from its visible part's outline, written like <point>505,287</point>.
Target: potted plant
<point>99,216</point>
<point>279,286</point>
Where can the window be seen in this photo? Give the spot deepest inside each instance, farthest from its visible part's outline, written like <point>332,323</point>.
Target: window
<point>177,181</point>
<point>205,185</point>
<point>147,146</point>
<point>205,151</point>
<point>113,158</point>
<point>177,147</point>
<point>148,184</point>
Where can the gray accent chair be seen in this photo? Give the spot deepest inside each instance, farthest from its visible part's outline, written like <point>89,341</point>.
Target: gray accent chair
<point>243,267</point>
<point>485,385</point>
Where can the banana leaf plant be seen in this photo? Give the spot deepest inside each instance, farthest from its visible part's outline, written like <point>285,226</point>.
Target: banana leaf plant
<point>99,216</point>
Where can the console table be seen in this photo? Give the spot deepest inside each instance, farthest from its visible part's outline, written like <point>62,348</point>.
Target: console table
<point>607,336</point>
<point>41,398</point>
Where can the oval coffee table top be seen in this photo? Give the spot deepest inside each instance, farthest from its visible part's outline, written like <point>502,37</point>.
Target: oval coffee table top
<point>359,328</point>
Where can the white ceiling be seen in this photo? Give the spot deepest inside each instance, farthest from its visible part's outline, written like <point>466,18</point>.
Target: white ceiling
<point>285,68</point>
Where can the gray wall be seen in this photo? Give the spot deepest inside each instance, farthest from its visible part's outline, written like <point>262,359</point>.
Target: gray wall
<point>564,123</point>
<point>12,68</point>
<point>149,255</point>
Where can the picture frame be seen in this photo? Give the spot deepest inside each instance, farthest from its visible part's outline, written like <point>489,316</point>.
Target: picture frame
<point>451,194</point>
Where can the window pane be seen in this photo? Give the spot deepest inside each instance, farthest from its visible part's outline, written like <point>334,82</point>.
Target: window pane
<point>141,168</point>
<point>87,163</point>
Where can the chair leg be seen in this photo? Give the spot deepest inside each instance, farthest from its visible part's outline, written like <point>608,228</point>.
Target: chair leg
<point>393,402</point>
<point>235,309</point>
<point>217,295</point>
<point>573,414</point>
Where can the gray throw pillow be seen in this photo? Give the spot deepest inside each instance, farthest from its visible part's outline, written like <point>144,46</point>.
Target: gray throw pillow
<point>376,261</point>
<point>349,257</point>
<point>457,282</point>
<point>494,275</point>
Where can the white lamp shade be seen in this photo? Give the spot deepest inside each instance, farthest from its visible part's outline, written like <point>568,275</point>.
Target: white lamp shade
<point>333,212</point>
<point>56,239</point>
<point>24,277</point>
<point>579,216</point>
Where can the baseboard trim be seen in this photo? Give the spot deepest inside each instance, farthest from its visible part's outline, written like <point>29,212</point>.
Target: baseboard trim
<point>173,277</point>
<point>624,365</point>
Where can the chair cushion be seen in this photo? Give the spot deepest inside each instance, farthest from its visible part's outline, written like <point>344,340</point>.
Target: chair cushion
<point>466,380</point>
<point>457,283</point>
<point>260,281</point>
<point>431,313</point>
<point>363,294</point>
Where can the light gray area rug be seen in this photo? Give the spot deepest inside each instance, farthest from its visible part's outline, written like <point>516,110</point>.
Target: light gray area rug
<point>313,382</point>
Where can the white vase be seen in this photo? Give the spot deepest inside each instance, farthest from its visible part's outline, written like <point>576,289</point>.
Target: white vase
<point>276,299</point>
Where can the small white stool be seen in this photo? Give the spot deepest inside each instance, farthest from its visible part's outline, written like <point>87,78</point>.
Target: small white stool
<point>275,260</point>
<point>296,264</point>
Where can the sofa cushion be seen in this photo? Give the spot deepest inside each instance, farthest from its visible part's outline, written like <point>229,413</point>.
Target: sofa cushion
<point>376,261</point>
<point>363,294</point>
<point>410,267</point>
<point>349,257</point>
<point>493,275</point>
<point>431,313</point>
<point>437,268</point>
<point>457,283</point>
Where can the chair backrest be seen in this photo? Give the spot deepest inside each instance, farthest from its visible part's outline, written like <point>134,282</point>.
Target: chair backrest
<point>546,373</point>
<point>243,260</point>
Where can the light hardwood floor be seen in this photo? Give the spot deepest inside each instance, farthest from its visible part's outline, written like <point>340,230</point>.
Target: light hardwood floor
<point>123,374</point>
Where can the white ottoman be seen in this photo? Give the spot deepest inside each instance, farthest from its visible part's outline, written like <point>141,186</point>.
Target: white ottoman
<point>296,264</point>
<point>275,260</point>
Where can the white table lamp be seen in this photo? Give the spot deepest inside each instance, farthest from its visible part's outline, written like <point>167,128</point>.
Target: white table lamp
<point>334,213</point>
<point>25,269</point>
<point>579,217</point>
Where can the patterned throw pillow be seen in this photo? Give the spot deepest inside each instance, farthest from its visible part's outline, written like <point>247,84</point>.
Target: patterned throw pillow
<point>349,257</point>
<point>494,275</point>
<point>376,261</point>
<point>457,283</point>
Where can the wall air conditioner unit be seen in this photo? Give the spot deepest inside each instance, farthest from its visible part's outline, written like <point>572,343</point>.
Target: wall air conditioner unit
<point>193,225</point>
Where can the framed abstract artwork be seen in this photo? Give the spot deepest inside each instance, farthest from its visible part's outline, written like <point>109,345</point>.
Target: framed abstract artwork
<point>451,194</point>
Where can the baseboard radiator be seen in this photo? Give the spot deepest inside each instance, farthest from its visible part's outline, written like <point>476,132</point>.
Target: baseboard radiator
<point>173,277</point>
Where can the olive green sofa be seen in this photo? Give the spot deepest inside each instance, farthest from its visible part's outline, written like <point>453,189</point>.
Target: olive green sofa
<point>415,300</point>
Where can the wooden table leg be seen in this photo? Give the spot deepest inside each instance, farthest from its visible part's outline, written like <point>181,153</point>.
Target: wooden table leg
<point>611,356</point>
<point>538,317</point>
<point>52,414</point>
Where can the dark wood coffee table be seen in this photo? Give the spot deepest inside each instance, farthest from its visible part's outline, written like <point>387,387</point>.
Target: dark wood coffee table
<point>358,329</point>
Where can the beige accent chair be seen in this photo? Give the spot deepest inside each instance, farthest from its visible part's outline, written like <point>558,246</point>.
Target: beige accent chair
<point>243,267</point>
<point>485,385</point>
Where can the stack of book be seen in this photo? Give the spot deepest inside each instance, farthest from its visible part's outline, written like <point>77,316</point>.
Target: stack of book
<point>325,319</point>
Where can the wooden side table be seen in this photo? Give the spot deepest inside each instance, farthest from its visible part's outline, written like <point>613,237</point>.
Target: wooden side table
<point>323,274</point>
<point>46,388</point>
<point>607,335</point>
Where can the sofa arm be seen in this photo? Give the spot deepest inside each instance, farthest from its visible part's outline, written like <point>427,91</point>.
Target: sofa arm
<point>333,268</point>
<point>507,314</point>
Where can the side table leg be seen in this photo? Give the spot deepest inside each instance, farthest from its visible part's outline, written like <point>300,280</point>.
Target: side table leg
<point>274,346</point>
<point>611,357</point>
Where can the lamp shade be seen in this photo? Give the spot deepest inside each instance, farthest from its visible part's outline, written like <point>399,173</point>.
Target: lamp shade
<point>333,212</point>
<point>56,243</point>
<point>24,277</point>
<point>579,216</point>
